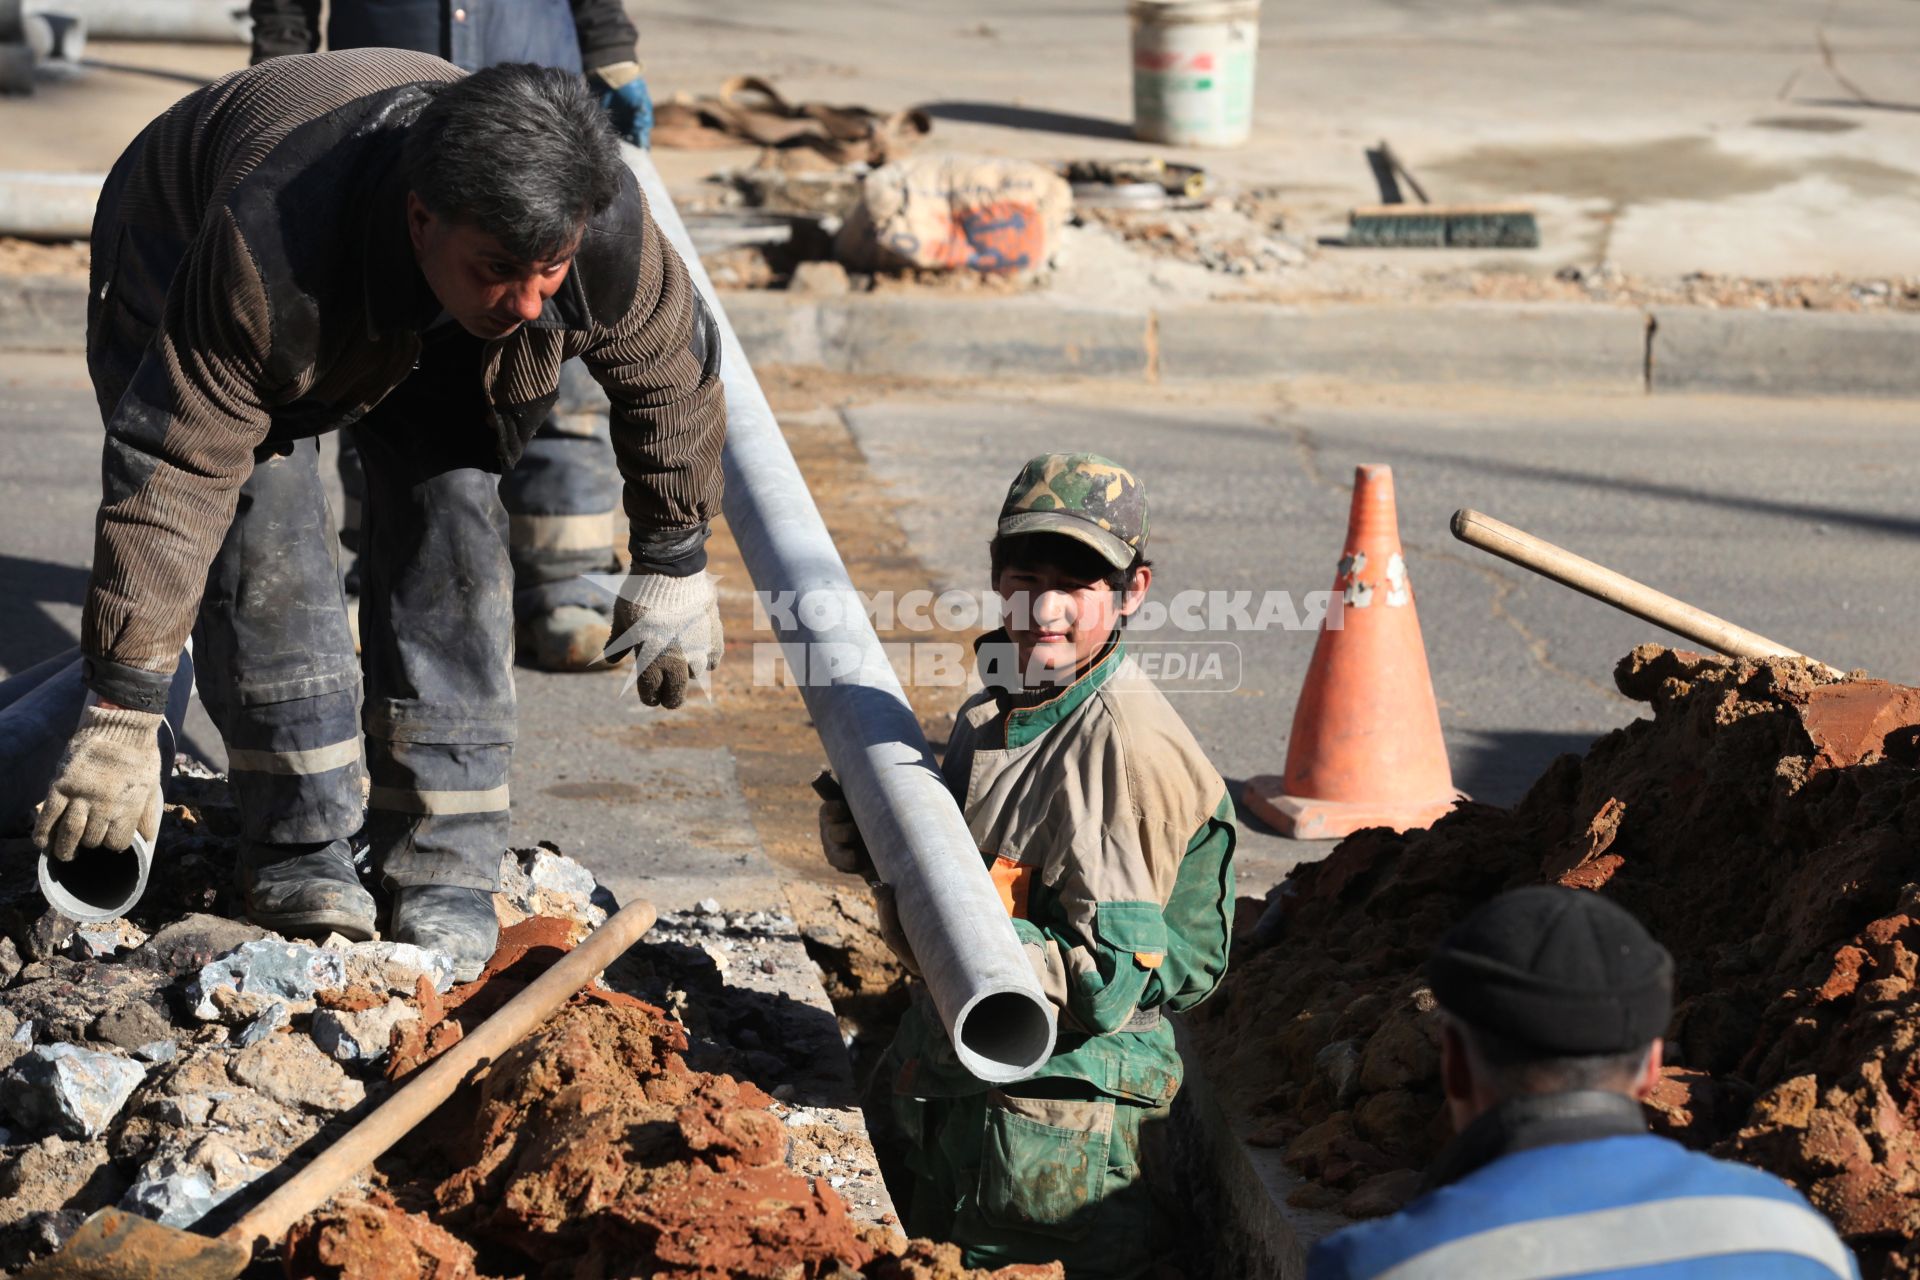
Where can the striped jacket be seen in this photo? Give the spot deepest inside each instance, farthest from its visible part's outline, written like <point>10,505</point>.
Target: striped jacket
<point>253,280</point>
<point>1625,1205</point>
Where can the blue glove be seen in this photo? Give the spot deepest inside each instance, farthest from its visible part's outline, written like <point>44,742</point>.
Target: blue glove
<point>623,92</point>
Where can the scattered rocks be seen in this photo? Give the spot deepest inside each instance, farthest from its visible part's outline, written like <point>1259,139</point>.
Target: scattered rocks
<point>257,973</point>
<point>10,961</point>
<point>190,944</point>
<point>46,935</point>
<point>361,1036</point>
<point>395,966</point>
<point>70,1091</point>
<point>291,1070</point>
<point>264,1024</point>
<point>131,1026</point>
<point>102,941</point>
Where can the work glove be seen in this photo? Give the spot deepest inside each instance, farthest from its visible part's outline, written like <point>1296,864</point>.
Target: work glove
<point>108,786</point>
<point>846,850</point>
<point>672,627</point>
<point>623,92</point>
<point>840,837</point>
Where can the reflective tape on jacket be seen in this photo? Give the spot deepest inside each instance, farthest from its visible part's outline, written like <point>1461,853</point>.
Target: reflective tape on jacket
<point>1658,1233</point>
<point>312,760</point>
<point>438,804</point>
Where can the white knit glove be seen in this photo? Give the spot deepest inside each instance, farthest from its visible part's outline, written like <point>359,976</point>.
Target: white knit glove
<point>108,786</point>
<point>672,625</point>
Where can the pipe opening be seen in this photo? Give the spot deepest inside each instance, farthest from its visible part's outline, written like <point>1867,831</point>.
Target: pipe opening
<point>1004,1036</point>
<point>98,884</point>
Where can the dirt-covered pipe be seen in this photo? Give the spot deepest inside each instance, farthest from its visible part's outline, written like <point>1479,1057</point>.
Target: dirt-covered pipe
<point>974,966</point>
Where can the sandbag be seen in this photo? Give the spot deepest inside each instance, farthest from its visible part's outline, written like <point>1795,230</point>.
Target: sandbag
<point>954,213</point>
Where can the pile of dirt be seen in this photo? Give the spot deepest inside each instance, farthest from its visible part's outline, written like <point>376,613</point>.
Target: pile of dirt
<point>1762,825</point>
<point>592,1150</point>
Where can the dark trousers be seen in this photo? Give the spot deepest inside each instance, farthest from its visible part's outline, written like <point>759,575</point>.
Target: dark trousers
<point>561,501</point>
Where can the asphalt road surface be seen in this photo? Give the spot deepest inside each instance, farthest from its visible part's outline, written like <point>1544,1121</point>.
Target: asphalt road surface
<point>1794,519</point>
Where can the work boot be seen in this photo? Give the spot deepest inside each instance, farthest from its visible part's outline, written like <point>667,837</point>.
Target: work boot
<point>569,638</point>
<point>455,921</point>
<point>307,890</point>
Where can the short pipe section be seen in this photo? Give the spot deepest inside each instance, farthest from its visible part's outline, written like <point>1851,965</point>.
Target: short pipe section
<point>97,884</point>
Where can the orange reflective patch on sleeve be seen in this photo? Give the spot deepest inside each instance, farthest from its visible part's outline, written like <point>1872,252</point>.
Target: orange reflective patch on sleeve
<point>1148,959</point>
<point>1014,880</point>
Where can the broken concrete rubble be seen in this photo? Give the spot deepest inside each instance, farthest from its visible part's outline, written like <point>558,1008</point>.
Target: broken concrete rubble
<point>360,1035</point>
<point>256,973</point>
<point>291,1070</point>
<point>269,1020</point>
<point>69,1091</point>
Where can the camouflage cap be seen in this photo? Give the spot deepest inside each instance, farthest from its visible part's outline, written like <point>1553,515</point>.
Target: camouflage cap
<point>1081,496</point>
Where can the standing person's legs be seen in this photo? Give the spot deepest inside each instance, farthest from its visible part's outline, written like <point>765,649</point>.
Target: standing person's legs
<point>436,628</point>
<point>561,499</point>
<point>273,657</point>
<point>276,670</point>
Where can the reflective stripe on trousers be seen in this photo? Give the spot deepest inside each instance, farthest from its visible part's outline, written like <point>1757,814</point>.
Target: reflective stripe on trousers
<point>1639,1235</point>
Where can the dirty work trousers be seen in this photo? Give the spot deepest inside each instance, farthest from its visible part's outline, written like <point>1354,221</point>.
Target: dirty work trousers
<point>560,499</point>
<point>275,662</point>
<point>1043,1170</point>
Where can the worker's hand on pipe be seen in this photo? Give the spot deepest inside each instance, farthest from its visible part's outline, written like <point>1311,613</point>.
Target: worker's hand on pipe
<point>672,627</point>
<point>108,786</point>
<point>890,931</point>
<point>840,837</point>
<point>623,92</point>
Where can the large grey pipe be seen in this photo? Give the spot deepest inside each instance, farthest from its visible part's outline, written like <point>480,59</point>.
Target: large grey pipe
<point>38,710</point>
<point>974,966</point>
<point>195,21</point>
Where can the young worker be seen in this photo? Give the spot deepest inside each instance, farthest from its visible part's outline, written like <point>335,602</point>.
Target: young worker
<point>1111,839</point>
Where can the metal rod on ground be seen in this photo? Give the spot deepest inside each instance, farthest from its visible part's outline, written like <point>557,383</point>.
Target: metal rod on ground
<point>975,968</point>
<point>196,21</point>
<point>1623,593</point>
<point>48,206</point>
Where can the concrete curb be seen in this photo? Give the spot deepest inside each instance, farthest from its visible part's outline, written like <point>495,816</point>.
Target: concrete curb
<point>1239,1191</point>
<point>1533,346</point>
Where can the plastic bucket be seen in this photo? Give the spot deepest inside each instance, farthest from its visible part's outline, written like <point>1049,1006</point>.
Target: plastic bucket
<point>1193,70</point>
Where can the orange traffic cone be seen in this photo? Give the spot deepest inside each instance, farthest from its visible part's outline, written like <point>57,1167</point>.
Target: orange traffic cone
<point>1366,749</point>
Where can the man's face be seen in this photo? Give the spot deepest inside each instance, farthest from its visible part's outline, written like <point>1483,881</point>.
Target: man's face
<point>485,289</point>
<point>1057,622</point>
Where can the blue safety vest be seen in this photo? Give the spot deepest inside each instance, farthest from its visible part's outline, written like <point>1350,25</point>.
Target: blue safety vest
<point>1637,1206</point>
<point>471,34</point>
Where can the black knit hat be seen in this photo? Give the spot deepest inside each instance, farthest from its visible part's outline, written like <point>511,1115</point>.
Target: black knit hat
<point>1563,971</point>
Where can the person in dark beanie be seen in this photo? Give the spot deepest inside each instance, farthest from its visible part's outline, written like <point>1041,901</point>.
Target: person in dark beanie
<point>369,239</point>
<point>1553,1005</point>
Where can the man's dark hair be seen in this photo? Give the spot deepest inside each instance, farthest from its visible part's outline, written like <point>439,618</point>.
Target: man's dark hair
<point>1512,1068</point>
<point>524,153</point>
<point>1064,555</point>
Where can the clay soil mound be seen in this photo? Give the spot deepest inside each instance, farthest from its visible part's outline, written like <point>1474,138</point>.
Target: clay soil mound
<point>1763,824</point>
<point>591,1150</point>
